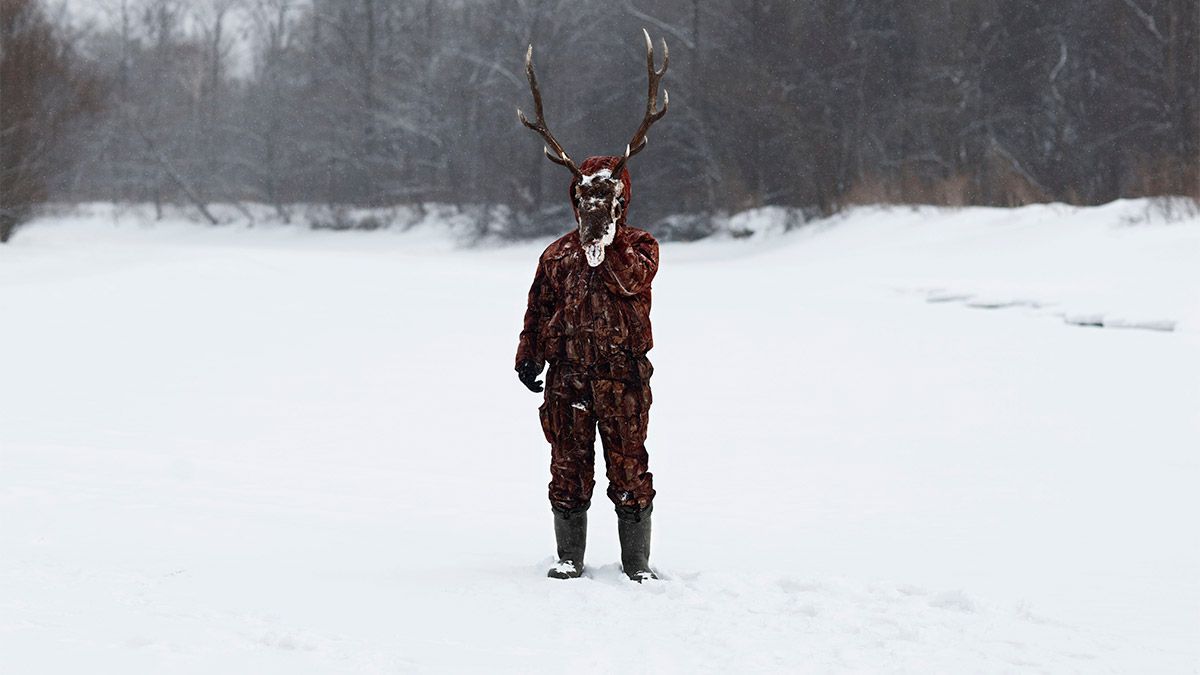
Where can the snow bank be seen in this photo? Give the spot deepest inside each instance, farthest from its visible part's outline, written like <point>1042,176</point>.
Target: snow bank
<point>1128,264</point>
<point>437,225</point>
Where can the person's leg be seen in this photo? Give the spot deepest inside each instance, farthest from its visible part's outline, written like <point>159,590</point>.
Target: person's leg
<point>570,428</point>
<point>627,463</point>
<point>623,413</point>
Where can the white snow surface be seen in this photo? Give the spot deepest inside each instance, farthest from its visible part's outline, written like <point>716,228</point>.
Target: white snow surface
<point>881,444</point>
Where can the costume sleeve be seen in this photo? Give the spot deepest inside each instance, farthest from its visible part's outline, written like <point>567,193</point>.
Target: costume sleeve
<point>539,307</point>
<point>630,266</point>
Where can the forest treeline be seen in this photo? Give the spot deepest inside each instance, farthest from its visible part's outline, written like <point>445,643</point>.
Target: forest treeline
<point>814,104</point>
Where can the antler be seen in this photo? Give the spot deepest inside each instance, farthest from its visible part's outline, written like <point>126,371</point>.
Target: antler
<point>653,115</point>
<point>559,156</point>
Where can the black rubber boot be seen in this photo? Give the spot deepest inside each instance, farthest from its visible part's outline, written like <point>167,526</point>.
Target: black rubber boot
<point>570,530</point>
<point>633,529</point>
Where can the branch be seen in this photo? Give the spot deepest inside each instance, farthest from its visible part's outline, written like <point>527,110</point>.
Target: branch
<point>1146,19</point>
<point>1003,152</point>
<point>169,170</point>
<point>678,34</point>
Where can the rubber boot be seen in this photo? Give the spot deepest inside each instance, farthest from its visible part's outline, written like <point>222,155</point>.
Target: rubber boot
<point>570,531</point>
<point>633,529</point>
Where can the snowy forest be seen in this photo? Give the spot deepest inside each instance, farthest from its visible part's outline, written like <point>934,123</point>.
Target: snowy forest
<point>814,104</point>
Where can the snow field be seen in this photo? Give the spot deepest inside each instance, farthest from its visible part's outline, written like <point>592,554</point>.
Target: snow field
<point>275,450</point>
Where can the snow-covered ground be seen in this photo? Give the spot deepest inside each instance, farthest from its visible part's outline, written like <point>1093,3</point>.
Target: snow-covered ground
<point>895,441</point>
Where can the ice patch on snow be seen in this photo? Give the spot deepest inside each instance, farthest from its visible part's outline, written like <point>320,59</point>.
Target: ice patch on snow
<point>992,303</point>
<point>1165,325</point>
<point>1105,321</point>
<point>1090,320</point>
<point>1086,319</point>
<point>945,296</point>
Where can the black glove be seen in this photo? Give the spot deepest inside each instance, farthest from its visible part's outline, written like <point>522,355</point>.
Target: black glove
<point>527,371</point>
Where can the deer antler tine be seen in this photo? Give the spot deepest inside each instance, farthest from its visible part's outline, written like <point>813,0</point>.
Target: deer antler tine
<point>559,156</point>
<point>653,113</point>
<point>533,83</point>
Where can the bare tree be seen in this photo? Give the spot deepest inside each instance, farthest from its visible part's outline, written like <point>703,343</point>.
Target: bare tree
<point>813,104</point>
<point>41,91</point>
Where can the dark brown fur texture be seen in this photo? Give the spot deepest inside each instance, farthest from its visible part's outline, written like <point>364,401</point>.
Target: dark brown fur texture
<point>592,325</point>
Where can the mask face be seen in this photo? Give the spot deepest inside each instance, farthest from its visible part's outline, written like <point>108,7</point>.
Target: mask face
<point>600,202</point>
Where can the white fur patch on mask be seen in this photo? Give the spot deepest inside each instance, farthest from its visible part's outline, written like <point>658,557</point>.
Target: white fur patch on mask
<point>595,251</point>
<point>586,179</point>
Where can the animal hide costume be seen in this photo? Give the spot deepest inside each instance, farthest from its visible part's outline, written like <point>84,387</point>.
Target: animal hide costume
<point>592,324</point>
<point>589,317</point>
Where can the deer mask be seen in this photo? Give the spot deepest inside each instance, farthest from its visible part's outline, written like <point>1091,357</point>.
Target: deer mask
<point>600,190</point>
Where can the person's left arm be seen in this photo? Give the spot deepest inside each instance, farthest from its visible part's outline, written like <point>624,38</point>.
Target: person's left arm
<point>630,264</point>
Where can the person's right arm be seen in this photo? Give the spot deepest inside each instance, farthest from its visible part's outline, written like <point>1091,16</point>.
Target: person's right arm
<point>540,304</point>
